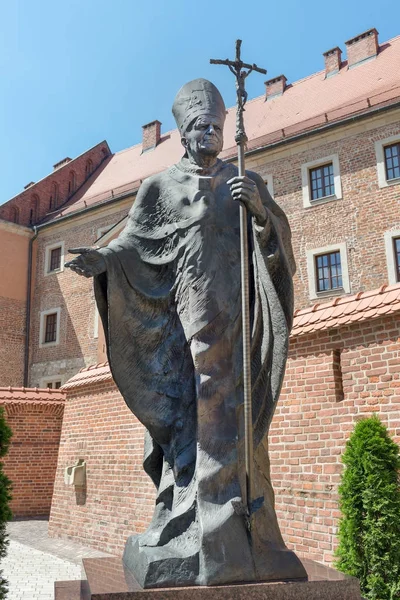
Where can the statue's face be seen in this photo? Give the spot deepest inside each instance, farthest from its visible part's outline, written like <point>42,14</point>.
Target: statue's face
<point>204,136</point>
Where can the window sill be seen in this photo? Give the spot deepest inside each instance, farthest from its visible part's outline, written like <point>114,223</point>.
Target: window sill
<point>48,344</point>
<point>328,293</point>
<point>323,200</point>
<point>55,271</point>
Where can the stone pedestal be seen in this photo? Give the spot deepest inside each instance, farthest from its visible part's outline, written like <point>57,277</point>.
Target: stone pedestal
<point>107,579</point>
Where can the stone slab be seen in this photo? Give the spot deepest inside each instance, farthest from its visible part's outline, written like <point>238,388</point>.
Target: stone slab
<point>107,579</point>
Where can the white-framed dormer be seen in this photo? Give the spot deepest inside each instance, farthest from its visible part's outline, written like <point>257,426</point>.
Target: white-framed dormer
<point>387,153</point>
<point>392,249</point>
<point>54,258</point>
<point>328,271</point>
<point>321,181</point>
<point>49,328</point>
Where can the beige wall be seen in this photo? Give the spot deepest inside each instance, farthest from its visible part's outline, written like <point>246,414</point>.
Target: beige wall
<point>14,245</point>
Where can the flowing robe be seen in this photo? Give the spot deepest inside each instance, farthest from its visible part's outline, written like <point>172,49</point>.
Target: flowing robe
<point>170,303</point>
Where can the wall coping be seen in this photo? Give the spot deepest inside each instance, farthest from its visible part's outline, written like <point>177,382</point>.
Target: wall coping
<point>15,400</point>
<point>343,310</point>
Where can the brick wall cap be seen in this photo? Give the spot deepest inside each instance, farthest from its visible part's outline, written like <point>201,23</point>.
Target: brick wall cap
<point>89,375</point>
<point>31,395</point>
<point>347,309</point>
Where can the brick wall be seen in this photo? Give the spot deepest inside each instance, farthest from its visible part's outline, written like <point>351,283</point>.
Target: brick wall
<point>74,295</point>
<point>35,417</point>
<point>55,186</point>
<point>333,378</point>
<point>359,219</point>
<point>99,428</point>
<point>312,423</point>
<point>12,341</point>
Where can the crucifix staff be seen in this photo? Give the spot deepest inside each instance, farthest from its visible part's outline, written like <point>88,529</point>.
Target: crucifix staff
<point>238,68</point>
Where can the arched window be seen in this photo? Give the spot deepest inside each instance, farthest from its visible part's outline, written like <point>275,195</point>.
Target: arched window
<point>71,183</point>
<point>55,194</point>
<point>104,152</point>
<point>89,168</point>
<point>14,214</point>
<point>34,211</point>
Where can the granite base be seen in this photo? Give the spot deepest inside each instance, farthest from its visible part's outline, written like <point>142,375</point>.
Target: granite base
<point>107,579</point>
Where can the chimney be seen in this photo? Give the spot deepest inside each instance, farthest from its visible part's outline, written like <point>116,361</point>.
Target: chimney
<point>28,185</point>
<point>333,61</point>
<point>275,87</point>
<point>151,135</point>
<point>362,47</point>
<point>61,163</point>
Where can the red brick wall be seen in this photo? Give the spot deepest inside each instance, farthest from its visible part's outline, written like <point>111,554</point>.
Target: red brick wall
<point>333,378</point>
<point>37,197</point>
<point>32,458</point>
<point>312,424</point>
<point>119,498</point>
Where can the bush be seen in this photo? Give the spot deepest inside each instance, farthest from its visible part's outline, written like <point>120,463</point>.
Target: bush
<point>5,497</point>
<point>369,530</point>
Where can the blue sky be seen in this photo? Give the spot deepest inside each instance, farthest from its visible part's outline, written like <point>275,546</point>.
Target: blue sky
<point>75,72</point>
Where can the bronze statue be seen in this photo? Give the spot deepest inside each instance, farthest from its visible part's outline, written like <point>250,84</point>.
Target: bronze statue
<point>168,291</point>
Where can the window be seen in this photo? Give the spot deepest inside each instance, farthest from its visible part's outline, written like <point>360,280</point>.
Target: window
<point>49,330</point>
<point>71,183</point>
<point>88,168</point>
<point>388,161</point>
<point>14,215</point>
<point>55,195</point>
<point>54,258</point>
<point>392,247</point>
<point>327,269</point>
<point>396,244</point>
<point>51,382</point>
<point>392,161</point>
<point>321,181</point>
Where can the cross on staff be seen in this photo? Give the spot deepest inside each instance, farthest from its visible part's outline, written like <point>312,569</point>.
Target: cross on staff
<point>237,67</point>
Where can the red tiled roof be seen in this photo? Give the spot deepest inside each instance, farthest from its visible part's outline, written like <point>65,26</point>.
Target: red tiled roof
<point>307,104</point>
<point>89,375</point>
<point>347,310</point>
<point>21,395</point>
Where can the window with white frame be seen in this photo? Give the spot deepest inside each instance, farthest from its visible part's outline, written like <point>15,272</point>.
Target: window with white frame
<point>327,269</point>
<point>392,247</point>
<point>388,161</point>
<point>52,383</point>
<point>54,258</point>
<point>49,329</point>
<point>321,181</point>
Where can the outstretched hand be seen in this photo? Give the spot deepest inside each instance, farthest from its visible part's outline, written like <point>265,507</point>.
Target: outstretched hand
<point>245,190</point>
<point>89,263</point>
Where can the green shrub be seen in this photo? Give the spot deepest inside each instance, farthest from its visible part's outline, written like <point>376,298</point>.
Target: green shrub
<point>369,530</point>
<point>5,497</point>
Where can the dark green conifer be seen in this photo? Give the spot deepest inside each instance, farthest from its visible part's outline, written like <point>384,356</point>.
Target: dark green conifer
<point>369,530</point>
<point>5,497</point>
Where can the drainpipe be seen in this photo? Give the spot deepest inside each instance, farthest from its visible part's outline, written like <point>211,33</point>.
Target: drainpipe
<point>28,307</point>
